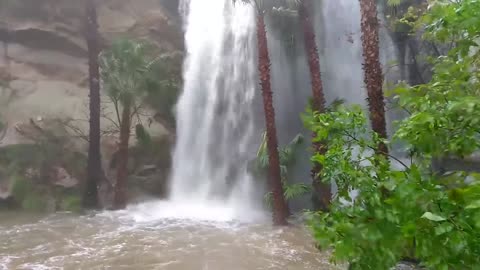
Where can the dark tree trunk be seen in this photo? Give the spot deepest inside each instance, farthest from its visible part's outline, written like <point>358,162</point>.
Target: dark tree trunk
<point>322,191</point>
<point>6,39</point>
<point>90,199</point>
<point>280,207</point>
<point>5,48</point>
<point>373,70</point>
<point>120,198</point>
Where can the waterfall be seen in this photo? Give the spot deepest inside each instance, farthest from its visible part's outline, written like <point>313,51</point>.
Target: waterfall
<point>216,131</point>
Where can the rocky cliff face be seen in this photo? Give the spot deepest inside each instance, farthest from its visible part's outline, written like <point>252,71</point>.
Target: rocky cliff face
<point>43,63</point>
<point>44,74</point>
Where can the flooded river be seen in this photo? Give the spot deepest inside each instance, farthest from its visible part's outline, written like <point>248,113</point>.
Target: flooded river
<point>137,238</point>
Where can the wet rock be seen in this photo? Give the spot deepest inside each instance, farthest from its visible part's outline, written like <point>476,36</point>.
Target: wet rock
<point>5,191</point>
<point>63,179</point>
<point>146,170</point>
<point>47,58</point>
<point>47,53</point>
<point>32,173</point>
<point>150,181</point>
<point>407,266</point>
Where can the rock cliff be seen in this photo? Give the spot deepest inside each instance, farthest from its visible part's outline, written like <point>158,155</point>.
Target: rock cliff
<point>43,64</point>
<point>44,73</point>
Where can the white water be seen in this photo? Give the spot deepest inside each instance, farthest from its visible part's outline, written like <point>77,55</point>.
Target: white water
<point>216,135</point>
<point>122,240</point>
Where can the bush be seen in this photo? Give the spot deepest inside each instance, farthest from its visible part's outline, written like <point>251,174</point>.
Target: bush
<point>27,196</point>
<point>71,203</point>
<point>34,202</point>
<point>397,214</point>
<point>414,212</point>
<point>21,188</point>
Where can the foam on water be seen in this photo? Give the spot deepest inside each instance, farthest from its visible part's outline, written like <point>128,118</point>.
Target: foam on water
<point>189,213</point>
<point>125,240</point>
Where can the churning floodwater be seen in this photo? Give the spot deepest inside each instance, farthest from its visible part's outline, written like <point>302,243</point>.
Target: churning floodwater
<point>131,239</point>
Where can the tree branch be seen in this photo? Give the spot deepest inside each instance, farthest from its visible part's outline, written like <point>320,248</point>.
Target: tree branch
<point>374,149</point>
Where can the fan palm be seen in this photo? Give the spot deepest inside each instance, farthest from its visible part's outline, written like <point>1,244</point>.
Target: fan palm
<point>303,8</point>
<point>280,207</point>
<point>287,158</point>
<point>127,77</point>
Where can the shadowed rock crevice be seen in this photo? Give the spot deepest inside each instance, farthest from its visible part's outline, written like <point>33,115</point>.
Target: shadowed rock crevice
<point>42,39</point>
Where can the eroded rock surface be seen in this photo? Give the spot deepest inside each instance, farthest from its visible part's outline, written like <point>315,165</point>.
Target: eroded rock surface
<point>44,65</point>
<point>44,79</point>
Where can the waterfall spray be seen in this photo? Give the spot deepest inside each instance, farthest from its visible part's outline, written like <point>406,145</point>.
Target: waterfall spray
<point>216,134</point>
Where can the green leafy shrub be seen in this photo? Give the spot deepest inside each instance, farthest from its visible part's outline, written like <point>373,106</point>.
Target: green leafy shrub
<point>27,195</point>
<point>72,203</point>
<point>34,202</point>
<point>409,213</point>
<point>21,187</point>
<point>414,212</point>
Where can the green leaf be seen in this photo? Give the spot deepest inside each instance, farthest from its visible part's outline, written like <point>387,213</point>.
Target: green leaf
<point>473,205</point>
<point>432,217</point>
<point>443,228</point>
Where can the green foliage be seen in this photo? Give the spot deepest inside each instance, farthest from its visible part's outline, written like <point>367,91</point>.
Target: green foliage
<point>30,166</point>
<point>413,212</point>
<point>143,137</point>
<point>457,22</point>
<point>402,16</point>
<point>445,111</point>
<point>21,187</point>
<point>34,202</point>
<point>19,157</point>
<point>71,203</point>
<point>134,75</point>
<point>27,195</point>
<point>394,2</point>
<point>287,159</point>
<point>125,71</point>
<point>396,214</point>
<point>164,87</point>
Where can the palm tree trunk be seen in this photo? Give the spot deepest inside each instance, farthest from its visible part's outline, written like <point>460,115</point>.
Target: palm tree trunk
<point>120,198</point>
<point>373,70</point>
<point>94,170</point>
<point>5,47</point>
<point>322,191</point>
<point>280,207</point>
<point>4,8</point>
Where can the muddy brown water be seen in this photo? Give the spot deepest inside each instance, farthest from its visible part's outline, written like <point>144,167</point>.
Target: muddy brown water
<point>122,240</point>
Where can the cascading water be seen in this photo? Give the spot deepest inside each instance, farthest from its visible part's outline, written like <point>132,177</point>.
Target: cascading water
<point>216,132</point>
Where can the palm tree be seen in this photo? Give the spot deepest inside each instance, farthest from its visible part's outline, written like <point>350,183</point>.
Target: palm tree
<point>280,207</point>
<point>373,71</point>
<point>322,191</point>
<point>300,9</point>
<point>94,170</point>
<point>127,77</point>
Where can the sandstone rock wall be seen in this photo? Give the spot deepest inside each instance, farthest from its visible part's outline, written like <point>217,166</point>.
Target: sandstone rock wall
<point>44,66</point>
<point>44,80</point>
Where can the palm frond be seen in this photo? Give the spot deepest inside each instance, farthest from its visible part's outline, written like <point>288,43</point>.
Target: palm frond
<point>394,3</point>
<point>125,69</point>
<point>296,190</point>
